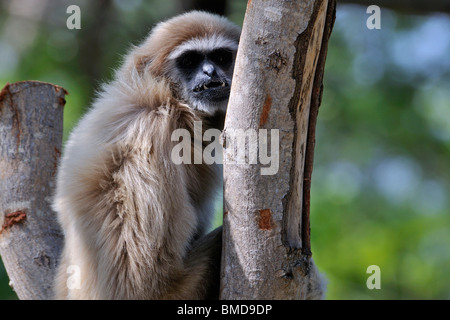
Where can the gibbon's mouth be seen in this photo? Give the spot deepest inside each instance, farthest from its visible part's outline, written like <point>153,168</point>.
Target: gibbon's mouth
<point>210,85</point>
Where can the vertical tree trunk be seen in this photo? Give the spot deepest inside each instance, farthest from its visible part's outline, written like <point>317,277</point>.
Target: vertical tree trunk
<point>31,122</point>
<point>277,86</point>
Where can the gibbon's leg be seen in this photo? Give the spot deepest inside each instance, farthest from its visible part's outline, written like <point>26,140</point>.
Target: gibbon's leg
<point>133,219</point>
<point>201,278</point>
<point>317,284</point>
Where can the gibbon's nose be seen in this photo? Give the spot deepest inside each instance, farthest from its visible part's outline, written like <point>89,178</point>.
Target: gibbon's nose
<point>208,69</point>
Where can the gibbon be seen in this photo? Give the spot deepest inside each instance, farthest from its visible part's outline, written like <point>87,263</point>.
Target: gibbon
<point>135,222</point>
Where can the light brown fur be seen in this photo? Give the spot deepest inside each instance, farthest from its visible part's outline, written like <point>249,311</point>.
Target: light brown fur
<point>132,218</point>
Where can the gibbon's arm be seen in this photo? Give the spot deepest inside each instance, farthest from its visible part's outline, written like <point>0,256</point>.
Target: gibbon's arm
<point>124,205</point>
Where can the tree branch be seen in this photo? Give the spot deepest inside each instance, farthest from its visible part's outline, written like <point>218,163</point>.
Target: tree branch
<point>31,122</point>
<point>316,99</point>
<point>276,86</point>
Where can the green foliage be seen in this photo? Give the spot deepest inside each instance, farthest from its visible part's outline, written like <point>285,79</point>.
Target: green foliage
<point>5,290</point>
<point>381,174</point>
<point>381,177</point>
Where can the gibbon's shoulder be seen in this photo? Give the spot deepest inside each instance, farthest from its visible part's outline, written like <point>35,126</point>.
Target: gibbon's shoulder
<point>131,110</point>
<point>121,103</point>
<point>130,118</point>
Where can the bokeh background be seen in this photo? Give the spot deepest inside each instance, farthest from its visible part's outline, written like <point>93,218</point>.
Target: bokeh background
<point>381,179</point>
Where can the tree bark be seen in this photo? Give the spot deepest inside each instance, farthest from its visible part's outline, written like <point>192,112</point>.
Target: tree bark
<point>277,86</point>
<point>31,123</point>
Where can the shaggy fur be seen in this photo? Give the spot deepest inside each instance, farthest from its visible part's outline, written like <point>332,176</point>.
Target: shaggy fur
<point>133,220</point>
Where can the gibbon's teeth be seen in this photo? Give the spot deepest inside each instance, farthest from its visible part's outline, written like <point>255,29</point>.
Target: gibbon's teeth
<point>213,84</point>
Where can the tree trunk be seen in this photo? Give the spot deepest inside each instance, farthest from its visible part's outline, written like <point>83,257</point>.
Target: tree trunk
<point>31,123</point>
<point>277,86</point>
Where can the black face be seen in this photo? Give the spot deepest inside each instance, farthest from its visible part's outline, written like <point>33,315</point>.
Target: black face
<point>207,75</point>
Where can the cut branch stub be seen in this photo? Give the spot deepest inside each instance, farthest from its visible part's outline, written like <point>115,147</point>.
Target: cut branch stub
<point>31,123</point>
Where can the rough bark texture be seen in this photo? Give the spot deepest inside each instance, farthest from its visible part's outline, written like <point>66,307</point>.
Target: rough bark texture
<point>277,80</point>
<point>31,122</point>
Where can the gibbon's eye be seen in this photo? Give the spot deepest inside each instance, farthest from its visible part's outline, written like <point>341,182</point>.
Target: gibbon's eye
<point>189,60</point>
<point>221,57</point>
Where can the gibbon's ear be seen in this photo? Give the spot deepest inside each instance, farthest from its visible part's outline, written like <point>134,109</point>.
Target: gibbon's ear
<point>144,59</point>
<point>135,62</point>
<point>141,62</point>
<point>138,59</point>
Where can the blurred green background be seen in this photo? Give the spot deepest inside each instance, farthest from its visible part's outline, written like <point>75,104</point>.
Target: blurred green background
<point>381,179</point>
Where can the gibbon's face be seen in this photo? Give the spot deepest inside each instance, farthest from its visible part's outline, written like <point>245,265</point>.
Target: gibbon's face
<point>204,70</point>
